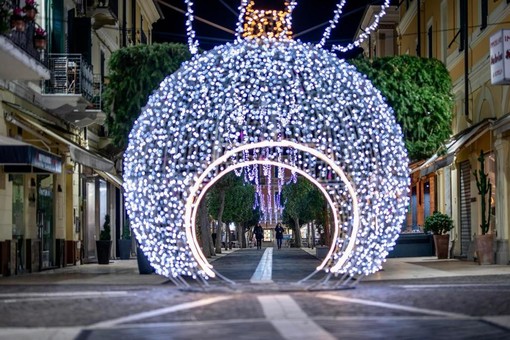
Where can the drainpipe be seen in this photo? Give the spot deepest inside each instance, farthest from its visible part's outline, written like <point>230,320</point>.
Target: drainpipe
<point>418,14</point>
<point>466,55</point>
<point>124,23</point>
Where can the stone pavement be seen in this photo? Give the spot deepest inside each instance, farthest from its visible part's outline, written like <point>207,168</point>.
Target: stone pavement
<point>411,298</point>
<point>125,272</point>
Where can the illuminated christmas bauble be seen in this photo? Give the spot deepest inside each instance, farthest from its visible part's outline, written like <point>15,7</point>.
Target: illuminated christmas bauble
<point>283,103</point>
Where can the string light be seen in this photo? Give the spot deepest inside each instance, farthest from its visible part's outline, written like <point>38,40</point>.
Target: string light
<point>190,32</point>
<point>331,124</point>
<point>366,33</point>
<point>332,23</point>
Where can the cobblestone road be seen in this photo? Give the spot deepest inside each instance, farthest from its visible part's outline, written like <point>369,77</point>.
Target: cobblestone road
<point>467,307</point>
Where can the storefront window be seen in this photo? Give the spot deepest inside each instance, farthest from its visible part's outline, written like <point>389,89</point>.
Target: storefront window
<point>18,221</point>
<point>426,200</point>
<point>490,169</point>
<point>102,202</point>
<point>45,218</point>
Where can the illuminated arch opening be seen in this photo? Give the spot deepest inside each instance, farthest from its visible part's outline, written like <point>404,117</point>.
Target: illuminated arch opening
<point>199,190</point>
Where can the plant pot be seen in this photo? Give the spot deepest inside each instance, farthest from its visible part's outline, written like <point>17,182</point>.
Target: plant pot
<point>144,266</point>
<point>485,249</point>
<point>124,249</point>
<point>30,14</point>
<point>40,43</point>
<point>441,243</point>
<point>103,249</point>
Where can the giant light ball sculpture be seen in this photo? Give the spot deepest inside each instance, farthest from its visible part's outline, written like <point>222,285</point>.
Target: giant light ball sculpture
<point>275,102</point>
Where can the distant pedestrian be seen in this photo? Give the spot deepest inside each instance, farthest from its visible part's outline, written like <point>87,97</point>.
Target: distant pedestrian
<point>279,235</point>
<point>259,234</point>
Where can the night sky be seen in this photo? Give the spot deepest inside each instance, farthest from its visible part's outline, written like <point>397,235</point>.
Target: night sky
<point>308,14</point>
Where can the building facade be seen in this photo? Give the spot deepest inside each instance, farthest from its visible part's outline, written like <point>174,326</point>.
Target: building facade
<point>59,173</point>
<point>458,33</point>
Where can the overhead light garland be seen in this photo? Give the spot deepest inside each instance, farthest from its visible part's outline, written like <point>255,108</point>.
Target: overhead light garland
<point>279,94</point>
<point>366,33</point>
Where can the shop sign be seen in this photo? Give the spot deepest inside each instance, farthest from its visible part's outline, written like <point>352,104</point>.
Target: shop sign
<point>500,58</point>
<point>46,161</point>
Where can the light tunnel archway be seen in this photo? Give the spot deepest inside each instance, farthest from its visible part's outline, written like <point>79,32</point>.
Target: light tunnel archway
<point>224,105</point>
<point>197,193</point>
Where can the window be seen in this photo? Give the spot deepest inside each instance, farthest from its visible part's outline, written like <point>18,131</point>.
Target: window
<point>484,9</point>
<point>429,41</point>
<point>463,23</point>
<point>444,30</point>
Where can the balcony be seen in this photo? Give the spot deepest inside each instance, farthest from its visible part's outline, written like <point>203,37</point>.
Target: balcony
<point>102,12</point>
<point>70,92</point>
<point>20,59</point>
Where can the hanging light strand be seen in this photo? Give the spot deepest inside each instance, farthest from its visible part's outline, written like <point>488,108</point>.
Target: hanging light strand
<point>332,23</point>
<point>190,32</point>
<point>363,35</point>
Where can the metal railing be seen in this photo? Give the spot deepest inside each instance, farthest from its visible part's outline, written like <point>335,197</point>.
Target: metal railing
<point>26,42</point>
<point>97,99</point>
<point>70,74</point>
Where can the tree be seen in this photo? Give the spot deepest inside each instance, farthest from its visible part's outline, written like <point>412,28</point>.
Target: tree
<point>231,200</point>
<point>134,73</point>
<point>303,203</point>
<point>204,230</point>
<point>216,203</point>
<point>420,92</point>
<point>239,201</point>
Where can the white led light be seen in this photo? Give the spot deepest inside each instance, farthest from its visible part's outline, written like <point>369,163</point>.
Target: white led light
<point>366,33</point>
<point>280,103</point>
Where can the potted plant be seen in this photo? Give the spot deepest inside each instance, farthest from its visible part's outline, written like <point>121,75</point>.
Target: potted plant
<point>18,20</point>
<point>439,225</point>
<point>40,38</point>
<point>104,244</point>
<point>125,242</point>
<point>5,15</point>
<point>30,10</point>
<point>484,243</point>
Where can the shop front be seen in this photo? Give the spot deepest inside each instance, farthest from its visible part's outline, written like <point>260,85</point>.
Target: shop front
<point>27,242</point>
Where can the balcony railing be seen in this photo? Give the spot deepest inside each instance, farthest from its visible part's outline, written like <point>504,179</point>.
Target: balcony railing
<point>97,99</point>
<point>26,42</point>
<point>70,74</point>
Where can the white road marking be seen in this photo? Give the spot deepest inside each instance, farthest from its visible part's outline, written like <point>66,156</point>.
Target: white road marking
<point>394,306</point>
<point>289,319</point>
<point>60,333</point>
<point>27,297</point>
<point>60,294</point>
<point>500,320</point>
<point>264,271</point>
<point>505,286</point>
<point>158,312</point>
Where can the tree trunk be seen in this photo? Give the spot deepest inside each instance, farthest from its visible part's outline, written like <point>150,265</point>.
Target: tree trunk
<point>243,237</point>
<point>297,233</point>
<point>220,223</point>
<point>308,235</point>
<point>205,231</point>
<point>227,236</point>
<point>327,237</point>
<point>313,234</point>
<point>239,233</point>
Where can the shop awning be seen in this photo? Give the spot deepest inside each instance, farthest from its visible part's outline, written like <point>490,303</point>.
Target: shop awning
<point>78,153</point>
<point>468,136</point>
<point>20,157</point>
<point>114,179</point>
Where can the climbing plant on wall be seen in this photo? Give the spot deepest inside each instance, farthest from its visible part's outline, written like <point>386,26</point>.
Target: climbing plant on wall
<point>420,92</point>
